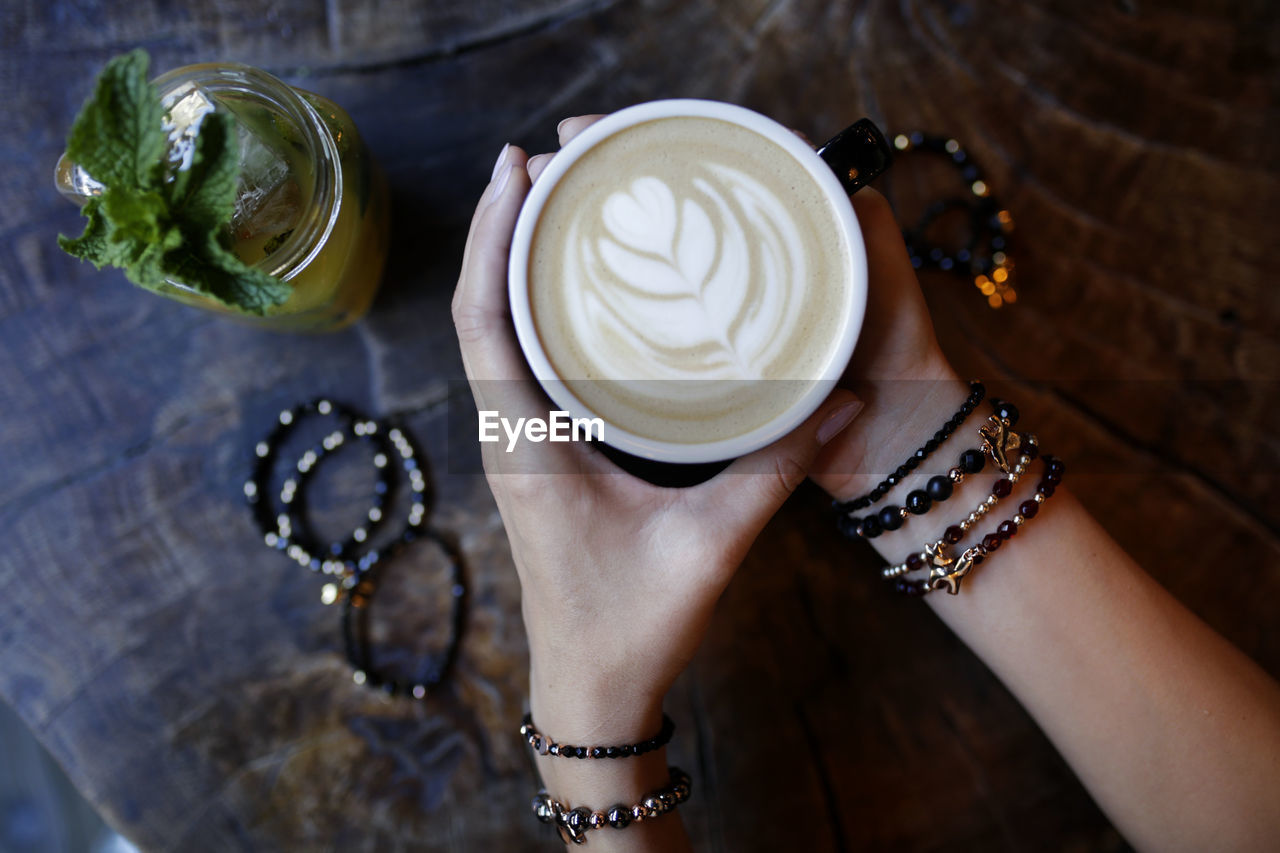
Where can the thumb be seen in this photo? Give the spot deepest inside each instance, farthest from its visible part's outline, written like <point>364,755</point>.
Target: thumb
<point>743,497</point>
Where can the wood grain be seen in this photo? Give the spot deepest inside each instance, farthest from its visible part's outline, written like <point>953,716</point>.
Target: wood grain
<point>191,682</point>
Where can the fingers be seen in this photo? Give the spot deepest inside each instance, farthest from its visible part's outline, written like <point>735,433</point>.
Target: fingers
<point>501,381</point>
<point>537,164</point>
<point>743,497</point>
<point>571,127</point>
<point>886,251</point>
<point>480,310</point>
<point>897,334</point>
<point>506,156</point>
<point>481,313</point>
<point>567,129</point>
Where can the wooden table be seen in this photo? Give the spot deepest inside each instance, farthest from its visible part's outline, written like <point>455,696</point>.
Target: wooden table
<point>191,681</point>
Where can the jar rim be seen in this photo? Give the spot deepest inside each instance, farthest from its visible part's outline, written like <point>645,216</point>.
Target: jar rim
<point>314,226</point>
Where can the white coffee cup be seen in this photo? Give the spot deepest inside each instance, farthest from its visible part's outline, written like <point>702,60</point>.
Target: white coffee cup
<point>730,447</point>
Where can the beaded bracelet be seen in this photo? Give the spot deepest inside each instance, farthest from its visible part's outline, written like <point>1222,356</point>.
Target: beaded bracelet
<point>976,392</point>
<point>285,529</point>
<point>937,553</point>
<point>992,272</point>
<point>285,532</point>
<point>947,572</point>
<point>301,546</point>
<point>543,745</point>
<point>574,824</point>
<point>918,502</point>
<point>998,442</point>
<point>355,627</point>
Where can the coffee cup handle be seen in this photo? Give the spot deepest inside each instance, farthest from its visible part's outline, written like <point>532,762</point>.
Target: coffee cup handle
<point>858,154</point>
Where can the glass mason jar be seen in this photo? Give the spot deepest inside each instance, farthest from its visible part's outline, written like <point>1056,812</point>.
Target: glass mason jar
<point>312,205</point>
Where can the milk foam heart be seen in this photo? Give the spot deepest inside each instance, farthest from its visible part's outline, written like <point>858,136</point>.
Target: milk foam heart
<point>688,279</point>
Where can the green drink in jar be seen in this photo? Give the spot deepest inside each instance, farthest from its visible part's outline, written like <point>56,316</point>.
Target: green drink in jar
<point>301,208</point>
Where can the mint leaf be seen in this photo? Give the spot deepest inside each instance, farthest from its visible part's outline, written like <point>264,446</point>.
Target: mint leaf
<point>146,264</point>
<point>94,245</point>
<point>137,216</point>
<point>162,227</point>
<point>204,196</point>
<point>119,138</point>
<point>218,273</point>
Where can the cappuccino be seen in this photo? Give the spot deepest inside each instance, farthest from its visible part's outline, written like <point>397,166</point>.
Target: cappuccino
<point>689,279</point>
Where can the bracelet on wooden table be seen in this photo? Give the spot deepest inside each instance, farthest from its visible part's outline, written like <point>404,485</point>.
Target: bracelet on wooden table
<point>293,532</point>
<point>544,745</point>
<point>984,259</point>
<point>285,528</point>
<point>574,824</point>
<point>432,669</point>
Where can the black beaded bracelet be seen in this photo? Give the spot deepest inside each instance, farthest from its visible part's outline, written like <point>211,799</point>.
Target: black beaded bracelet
<point>997,441</point>
<point>286,529</point>
<point>1000,489</point>
<point>574,824</point>
<point>976,392</point>
<point>355,626</point>
<point>918,502</point>
<point>985,257</point>
<point>543,745</point>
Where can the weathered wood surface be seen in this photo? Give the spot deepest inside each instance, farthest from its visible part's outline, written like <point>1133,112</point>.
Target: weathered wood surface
<point>191,682</point>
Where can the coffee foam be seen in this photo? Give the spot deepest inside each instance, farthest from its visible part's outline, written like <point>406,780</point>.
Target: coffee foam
<point>688,279</point>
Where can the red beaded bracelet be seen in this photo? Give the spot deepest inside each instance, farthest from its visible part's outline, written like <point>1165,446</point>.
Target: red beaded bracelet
<point>947,571</point>
<point>953,534</point>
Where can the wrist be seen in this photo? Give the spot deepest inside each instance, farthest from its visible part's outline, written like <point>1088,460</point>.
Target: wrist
<point>901,415</point>
<point>592,713</point>
<point>990,476</point>
<point>591,709</point>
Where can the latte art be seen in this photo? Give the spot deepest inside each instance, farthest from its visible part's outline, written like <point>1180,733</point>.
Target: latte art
<point>712,272</point>
<point>688,280</point>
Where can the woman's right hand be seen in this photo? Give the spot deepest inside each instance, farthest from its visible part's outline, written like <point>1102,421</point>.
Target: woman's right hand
<point>898,368</point>
<point>1175,733</point>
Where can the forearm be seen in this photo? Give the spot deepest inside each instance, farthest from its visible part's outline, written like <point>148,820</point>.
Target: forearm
<point>1175,732</point>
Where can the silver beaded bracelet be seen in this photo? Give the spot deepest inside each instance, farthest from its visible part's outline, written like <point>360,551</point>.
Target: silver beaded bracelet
<point>574,824</point>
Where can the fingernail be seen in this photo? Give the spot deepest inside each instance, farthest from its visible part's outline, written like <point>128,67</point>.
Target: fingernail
<point>838,420</point>
<point>502,183</point>
<point>560,126</point>
<point>502,157</point>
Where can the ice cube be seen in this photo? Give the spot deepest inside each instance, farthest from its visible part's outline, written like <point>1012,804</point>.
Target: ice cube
<point>187,107</point>
<point>268,199</point>
<point>263,171</point>
<point>264,176</point>
<point>274,211</point>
